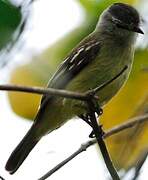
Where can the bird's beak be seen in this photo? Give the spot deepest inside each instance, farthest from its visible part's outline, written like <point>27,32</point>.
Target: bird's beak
<point>127,27</point>
<point>137,29</point>
<point>130,28</point>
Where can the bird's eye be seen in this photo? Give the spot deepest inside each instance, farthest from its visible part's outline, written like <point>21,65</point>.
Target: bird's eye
<point>119,23</point>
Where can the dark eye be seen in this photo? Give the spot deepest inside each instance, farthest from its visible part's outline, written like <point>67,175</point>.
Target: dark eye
<point>120,25</point>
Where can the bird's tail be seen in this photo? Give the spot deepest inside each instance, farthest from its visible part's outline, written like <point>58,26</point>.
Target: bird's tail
<point>21,151</point>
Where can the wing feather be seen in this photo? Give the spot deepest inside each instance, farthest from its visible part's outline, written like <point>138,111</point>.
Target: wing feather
<point>78,59</point>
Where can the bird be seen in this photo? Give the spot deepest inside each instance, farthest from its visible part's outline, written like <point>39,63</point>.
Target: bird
<point>97,58</point>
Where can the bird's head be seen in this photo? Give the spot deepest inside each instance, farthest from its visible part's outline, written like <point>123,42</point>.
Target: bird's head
<point>120,19</point>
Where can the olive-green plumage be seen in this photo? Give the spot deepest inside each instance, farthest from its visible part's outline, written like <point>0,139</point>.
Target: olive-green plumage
<point>95,60</point>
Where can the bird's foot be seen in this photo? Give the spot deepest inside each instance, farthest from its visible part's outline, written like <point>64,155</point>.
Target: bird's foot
<point>92,134</point>
<point>86,119</point>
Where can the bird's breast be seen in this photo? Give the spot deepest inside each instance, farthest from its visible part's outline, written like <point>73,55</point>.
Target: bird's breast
<point>105,67</point>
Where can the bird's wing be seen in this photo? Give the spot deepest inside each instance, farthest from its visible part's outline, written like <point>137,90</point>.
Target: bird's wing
<point>78,59</point>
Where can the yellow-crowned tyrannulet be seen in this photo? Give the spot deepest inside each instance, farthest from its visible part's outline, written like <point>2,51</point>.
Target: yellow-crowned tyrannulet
<point>95,60</point>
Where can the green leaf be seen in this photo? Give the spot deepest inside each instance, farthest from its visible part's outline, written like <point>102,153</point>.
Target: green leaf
<point>10,18</point>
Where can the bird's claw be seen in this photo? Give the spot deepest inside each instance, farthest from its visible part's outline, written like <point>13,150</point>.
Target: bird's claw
<point>99,111</point>
<point>92,134</point>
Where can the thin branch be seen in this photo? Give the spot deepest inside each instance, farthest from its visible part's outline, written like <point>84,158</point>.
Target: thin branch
<point>128,124</point>
<point>89,98</point>
<point>97,129</point>
<point>137,165</point>
<point>2,178</point>
<point>59,92</point>
<point>40,90</point>
<point>140,164</point>
<point>110,81</point>
<point>80,150</point>
<point>131,123</point>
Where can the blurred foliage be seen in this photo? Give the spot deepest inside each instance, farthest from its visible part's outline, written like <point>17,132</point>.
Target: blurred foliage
<point>10,18</point>
<point>131,100</point>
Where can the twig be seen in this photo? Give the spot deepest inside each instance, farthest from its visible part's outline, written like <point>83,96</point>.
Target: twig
<point>2,178</point>
<point>140,164</point>
<point>80,150</point>
<point>110,81</point>
<point>90,98</point>
<point>40,90</point>
<point>58,92</point>
<point>97,129</point>
<point>137,165</point>
<point>131,122</point>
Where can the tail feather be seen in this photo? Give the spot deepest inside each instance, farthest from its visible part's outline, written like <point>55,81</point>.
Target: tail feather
<point>21,152</point>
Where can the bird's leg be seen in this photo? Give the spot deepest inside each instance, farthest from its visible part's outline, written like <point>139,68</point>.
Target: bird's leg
<point>85,118</point>
<point>84,108</point>
<point>92,134</point>
<point>99,111</point>
<point>97,108</point>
